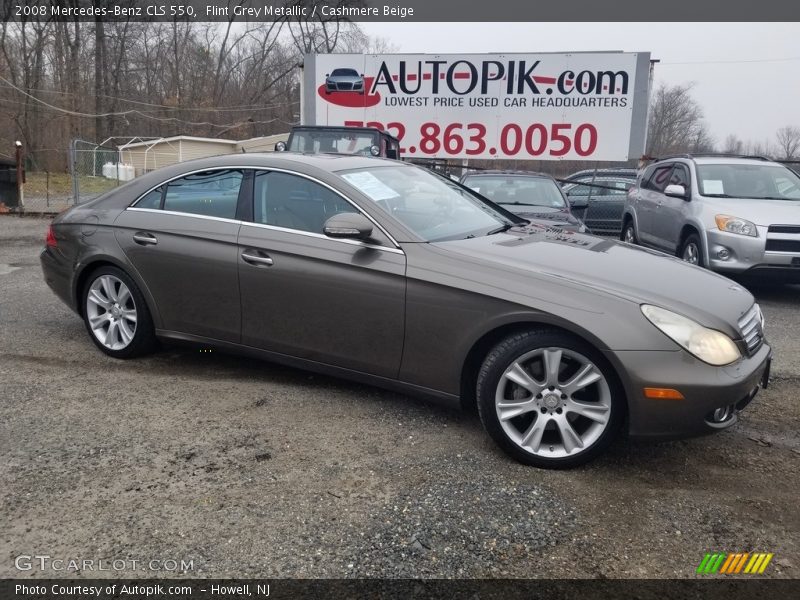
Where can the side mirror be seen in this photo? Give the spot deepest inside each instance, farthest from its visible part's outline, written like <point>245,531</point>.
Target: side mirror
<point>675,191</point>
<point>327,74</point>
<point>391,153</point>
<point>577,201</point>
<point>348,226</point>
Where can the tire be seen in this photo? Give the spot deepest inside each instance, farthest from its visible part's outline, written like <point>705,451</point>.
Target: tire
<point>629,233</point>
<point>692,250</point>
<point>541,414</point>
<point>114,306</point>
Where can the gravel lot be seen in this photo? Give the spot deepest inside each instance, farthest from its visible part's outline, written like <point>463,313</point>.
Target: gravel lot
<point>247,468</point>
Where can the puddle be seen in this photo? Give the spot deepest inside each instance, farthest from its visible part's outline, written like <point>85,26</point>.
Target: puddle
<point>6,269</point>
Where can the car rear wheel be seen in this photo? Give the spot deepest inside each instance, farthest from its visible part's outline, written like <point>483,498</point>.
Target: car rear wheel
<point>549,399</point>
<point>116,315</point>
<point>691,251</point>
<point>629,233</point>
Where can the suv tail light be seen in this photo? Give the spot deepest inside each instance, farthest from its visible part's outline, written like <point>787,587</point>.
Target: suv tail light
<point>50,240</point>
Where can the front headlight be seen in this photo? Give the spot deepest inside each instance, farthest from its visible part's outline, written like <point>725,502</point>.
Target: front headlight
<point>736,225</point>
<point>709,345</point>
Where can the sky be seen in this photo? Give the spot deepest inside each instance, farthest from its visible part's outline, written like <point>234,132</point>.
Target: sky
<point>746,76</point>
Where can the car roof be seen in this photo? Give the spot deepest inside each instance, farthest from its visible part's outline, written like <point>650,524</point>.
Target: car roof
<point>339,128</point>
<point>496,172</point>
<point>728,160</point>
<point>624,173</point>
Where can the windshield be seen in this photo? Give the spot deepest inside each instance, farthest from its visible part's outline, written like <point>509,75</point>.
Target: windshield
<point>517,191</point>
<point>344,73</point>
<point>343,142</point>
<point>433,207</point>
<point>759,182</point>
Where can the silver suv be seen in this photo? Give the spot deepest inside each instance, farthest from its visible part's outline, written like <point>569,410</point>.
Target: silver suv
<point>732,214</point>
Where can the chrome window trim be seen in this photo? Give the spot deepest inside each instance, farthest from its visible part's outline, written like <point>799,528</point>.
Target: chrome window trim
<point>322,236</point>
<point>270,227</point>
<point>177,213</point>
<point>132,205</point>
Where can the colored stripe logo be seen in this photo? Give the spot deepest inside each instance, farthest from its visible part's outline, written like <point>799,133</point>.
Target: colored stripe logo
<point>731,563</point>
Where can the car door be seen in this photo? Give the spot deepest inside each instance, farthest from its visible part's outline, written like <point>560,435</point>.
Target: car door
<point>339,302</point>
<point>667,227</point>
<point>181,238</point>
<point>650,199</point>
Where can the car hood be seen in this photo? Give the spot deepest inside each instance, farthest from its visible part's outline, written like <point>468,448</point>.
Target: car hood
<point>760,212</point>
<point>628,272</point>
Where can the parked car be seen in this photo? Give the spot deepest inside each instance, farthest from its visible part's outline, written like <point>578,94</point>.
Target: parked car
<point>386,273</point>
<point>532,196</point>
<point>344,80</point>
<point>366,141</point>
<point>597,197</point>
<point>733,214</point>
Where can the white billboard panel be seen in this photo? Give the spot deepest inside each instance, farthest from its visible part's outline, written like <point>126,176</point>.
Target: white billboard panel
<point>581,106</point>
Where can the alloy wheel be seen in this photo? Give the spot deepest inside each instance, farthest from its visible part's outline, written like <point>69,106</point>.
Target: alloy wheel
<point>111,312</point>
<point>691,254</point>
<point>553,402</point>
<point>630,237</point>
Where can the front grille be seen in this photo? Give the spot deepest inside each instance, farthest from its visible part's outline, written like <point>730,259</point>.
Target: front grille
<point>784,229</point>
<point>751,329</point>
<point>344,86</point>
<point>783,245</point>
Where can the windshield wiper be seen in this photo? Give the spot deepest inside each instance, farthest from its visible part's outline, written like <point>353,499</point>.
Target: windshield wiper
<point>500,229</point>
<point>525,204</point>
<point>718,196</point>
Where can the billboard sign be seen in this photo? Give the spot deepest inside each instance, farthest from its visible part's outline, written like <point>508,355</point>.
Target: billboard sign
<point>578,106</point>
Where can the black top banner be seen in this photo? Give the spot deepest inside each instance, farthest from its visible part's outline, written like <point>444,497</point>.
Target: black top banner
<point>402,10</point>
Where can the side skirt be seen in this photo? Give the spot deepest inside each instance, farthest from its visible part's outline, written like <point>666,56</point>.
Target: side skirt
<point>450,401</point>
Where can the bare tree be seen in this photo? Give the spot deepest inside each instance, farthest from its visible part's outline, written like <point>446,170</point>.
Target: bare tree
<point>788,142</point>
<point>676,123</point>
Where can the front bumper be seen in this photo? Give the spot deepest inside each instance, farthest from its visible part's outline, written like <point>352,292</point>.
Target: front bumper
<point>705,389</point>
<point>748,255</point>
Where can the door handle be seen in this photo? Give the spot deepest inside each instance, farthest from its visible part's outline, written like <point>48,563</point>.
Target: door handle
<point>145,239</point>
<point>257,259</point>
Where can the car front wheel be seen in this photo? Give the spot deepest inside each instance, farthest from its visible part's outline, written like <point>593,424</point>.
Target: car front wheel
<point>691,250</point>
<point>629,233</point>
<point>549,399</point>
<point>116,315</point>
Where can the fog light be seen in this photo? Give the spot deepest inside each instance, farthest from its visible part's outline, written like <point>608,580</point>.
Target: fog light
<point>723,254</point>
<point>722,414</point>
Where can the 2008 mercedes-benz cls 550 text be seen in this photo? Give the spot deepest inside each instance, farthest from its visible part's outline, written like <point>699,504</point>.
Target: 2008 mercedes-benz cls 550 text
<point>384,272</point>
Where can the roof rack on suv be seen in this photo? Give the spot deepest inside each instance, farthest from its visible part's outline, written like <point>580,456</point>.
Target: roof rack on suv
<point>713,154</point>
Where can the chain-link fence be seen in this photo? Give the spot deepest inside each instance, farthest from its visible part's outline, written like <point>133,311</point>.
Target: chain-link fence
<point>95,169</point>
<point>45,189</point>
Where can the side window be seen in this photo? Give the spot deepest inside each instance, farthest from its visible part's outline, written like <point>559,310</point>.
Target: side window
<point>151,199</point>
<point>211,193</point>
<point>579,190</point>
<point>621,188</point>
<point>294,202</point>
<point>659,179</point>
<point>680,176</point>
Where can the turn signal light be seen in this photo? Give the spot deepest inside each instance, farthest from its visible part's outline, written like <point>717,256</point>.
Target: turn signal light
<point>50,240</point>
<point>662,394</point>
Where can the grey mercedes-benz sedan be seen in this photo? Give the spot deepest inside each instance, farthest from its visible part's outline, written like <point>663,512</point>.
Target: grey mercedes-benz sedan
<point>383,272</point>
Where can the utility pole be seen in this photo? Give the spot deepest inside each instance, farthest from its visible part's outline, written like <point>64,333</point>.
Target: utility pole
<point>20,175</point>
